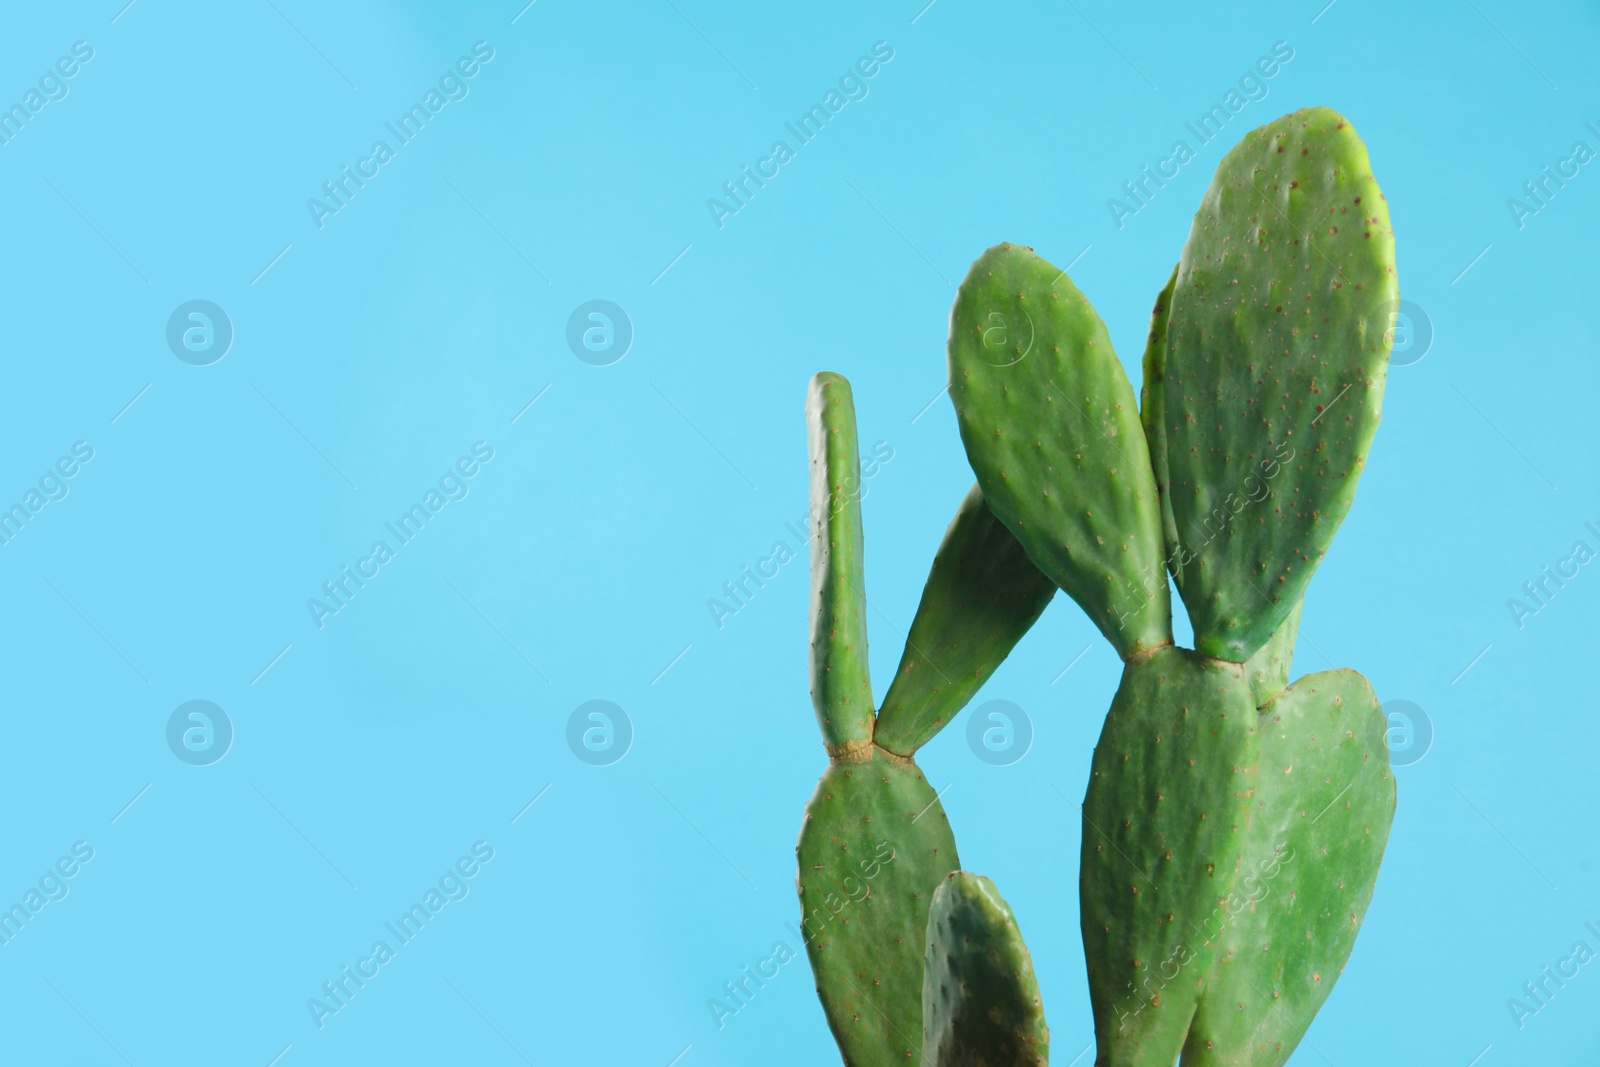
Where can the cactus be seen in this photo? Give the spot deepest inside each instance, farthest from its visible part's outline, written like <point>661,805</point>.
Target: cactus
<point>1050,427</point>
<point>980,1000</point>
<point>1277,341</point>
<point>1234,823</point>
<point>841,689</point>
<point>874,847</point>
<point>1163,820</point>
<point>982,596</point>
<point>1319,820</point>
<point>1268,670</point>
<point>876,844</point>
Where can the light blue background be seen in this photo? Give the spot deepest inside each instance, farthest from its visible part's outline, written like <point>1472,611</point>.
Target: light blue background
<point>430,311</point>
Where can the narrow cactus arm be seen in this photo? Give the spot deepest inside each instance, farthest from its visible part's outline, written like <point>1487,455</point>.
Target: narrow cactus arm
<point>980,999</point>
<point>982,595</point>
<point>1051,428</point>
<point>841,690</point>
<point>1277,345</point>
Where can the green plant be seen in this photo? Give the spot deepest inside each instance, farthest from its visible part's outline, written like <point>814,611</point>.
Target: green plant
<point>876,843</point>
<point>1233,823</point>
<point>980,1002</point>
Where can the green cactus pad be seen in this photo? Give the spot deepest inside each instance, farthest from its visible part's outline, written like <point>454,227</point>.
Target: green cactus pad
<point>841,690</point>
<point>874,847</point>
<point>1325,796</point>
<point>982,595</point>
<point>1277,345</point>
<point>1051,429</point>
<point>1163,829</point>
<point>1268,670</point>
<point>1150,415</point>
<point>980,1000</point>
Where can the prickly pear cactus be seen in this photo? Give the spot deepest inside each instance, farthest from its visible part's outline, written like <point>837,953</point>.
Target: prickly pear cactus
<point>1151,412</point>
<point>1234,823</point>
<point>874,847</point>
<point>1263,378</point>
<point>1277,342</point>
<point>876,844</point>
<point>1164,827</point>
<point>1052,431</point>
<point>841,689</point>
<point>982,596</point>
<point>1268,670</point>
<point>1276,347</point>
<point>980,1000</point>
<point>1319,821</point>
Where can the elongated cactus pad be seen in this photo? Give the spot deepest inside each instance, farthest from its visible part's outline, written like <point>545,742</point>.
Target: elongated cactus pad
<point>1277,345</point>
<point>874,847</point>
<point>1268,670</point>
<point>1163,831</point>
<point>980,1000</point>
<point>1151,416</point>
<point>1325,797</point>
<point>982,595</point>
<point>1051,430</point>
<point>841,690</point>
